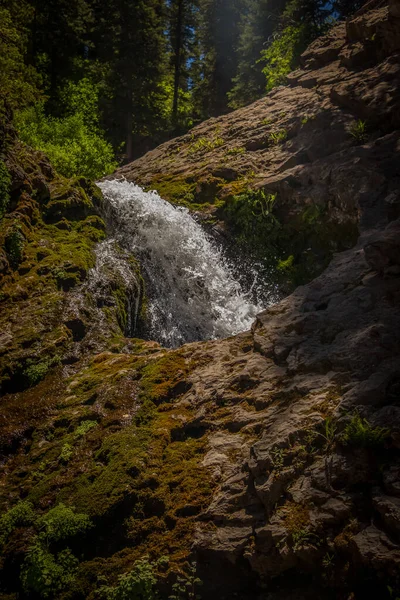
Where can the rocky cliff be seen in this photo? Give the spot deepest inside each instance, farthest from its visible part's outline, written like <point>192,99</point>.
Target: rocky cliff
<point>271,459</point>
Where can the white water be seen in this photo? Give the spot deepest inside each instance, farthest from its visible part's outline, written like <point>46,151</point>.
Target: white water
<point>192,293</point>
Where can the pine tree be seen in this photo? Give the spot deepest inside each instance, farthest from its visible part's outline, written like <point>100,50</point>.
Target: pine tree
<point>218,33</point>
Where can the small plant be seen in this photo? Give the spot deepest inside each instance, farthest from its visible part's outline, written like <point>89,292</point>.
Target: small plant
<point>359,432</point>
<point>14,245</point>
<point>5,184</point>
<point>285,266</point>
<point>306,118</point>
<point>19,515</point>
<point>359,131</point>
<point>266,121</point>
<point>278,137</point>
<point>186,587</point>
<point>328,560</point>
<point>205,145</point>
<point>61,522</point>
<point>278,458</point>
<point>301,537</point>
<point>237,150</point>
<point>84,428</point>
<point>66,453</point>
<point>137,585</point>
<point>45,574</point>
<point>36,373</point>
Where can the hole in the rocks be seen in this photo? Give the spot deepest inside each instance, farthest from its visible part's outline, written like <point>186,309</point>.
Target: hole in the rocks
<point>77,328</point>
<point>196,289</point>
<point>191,430</point>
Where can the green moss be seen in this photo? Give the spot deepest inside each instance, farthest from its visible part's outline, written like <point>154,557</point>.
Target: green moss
<point>162,378</point>
<point>177,190</point>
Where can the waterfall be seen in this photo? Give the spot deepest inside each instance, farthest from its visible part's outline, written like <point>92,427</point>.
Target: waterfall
<point>191,290</point>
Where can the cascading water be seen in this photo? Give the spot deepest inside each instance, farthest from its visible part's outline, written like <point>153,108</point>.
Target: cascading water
<point>192,293</point>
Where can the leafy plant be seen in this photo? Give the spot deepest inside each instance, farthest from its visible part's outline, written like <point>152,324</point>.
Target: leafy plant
<point>237,150</point>
<point>301,537</point>
<point>281,55</point>
<point>61,522</point>
<point>359,432</point>
<point>137,585</point>
<point>19,515</point>
<point>66,453</point>
<point>5,184</point>
<point>359,131</point>
<point>14,245</point>
<point>286,266</point>
<point>328,560</point>
<point>46,574</point>
<point>186,586</point>
<point>74,143</point>
<point>277,137</point>
<point>278,458</point>
<point>84,428</point>
<point>205,145</point>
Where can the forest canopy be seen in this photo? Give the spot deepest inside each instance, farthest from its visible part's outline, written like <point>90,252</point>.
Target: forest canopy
<point>92,82</point>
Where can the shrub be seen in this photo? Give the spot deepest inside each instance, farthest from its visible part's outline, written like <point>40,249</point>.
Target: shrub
<point>281,56</point>
<point>14,246</point>
<point>361,433</point>
<point>45,574</point>
<point>136,585</point>
<point>75,147</point>
<point>5,184</point>
<point>186,587</point>
<point>250,216</point>
<point>61,522</point>
<point>19,515</point>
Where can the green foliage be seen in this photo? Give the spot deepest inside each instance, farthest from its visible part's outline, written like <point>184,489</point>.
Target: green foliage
<point>251,216</point>
<point>84,428</point>
<point>281,56</point>
<point>66,453</point>
<point>358,131</point>
<point>301,537</point>
<point>278,137</point>
<point>36,372</point>
<point>205,145</point>
<point>5,184</point>
<point>286,266</point>
<point>186,585</point>
<point>360,433</point>
<point>14,245</point>
<point>61,522</point>
<point>74,146</point>
<point>137,585</point>
<point>22,514</point>
<point>45,574</point>
<point>237,150</point>
<point>18,82</point>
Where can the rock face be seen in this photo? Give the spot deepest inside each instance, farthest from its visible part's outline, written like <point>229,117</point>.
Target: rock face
<point>272,458</point>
